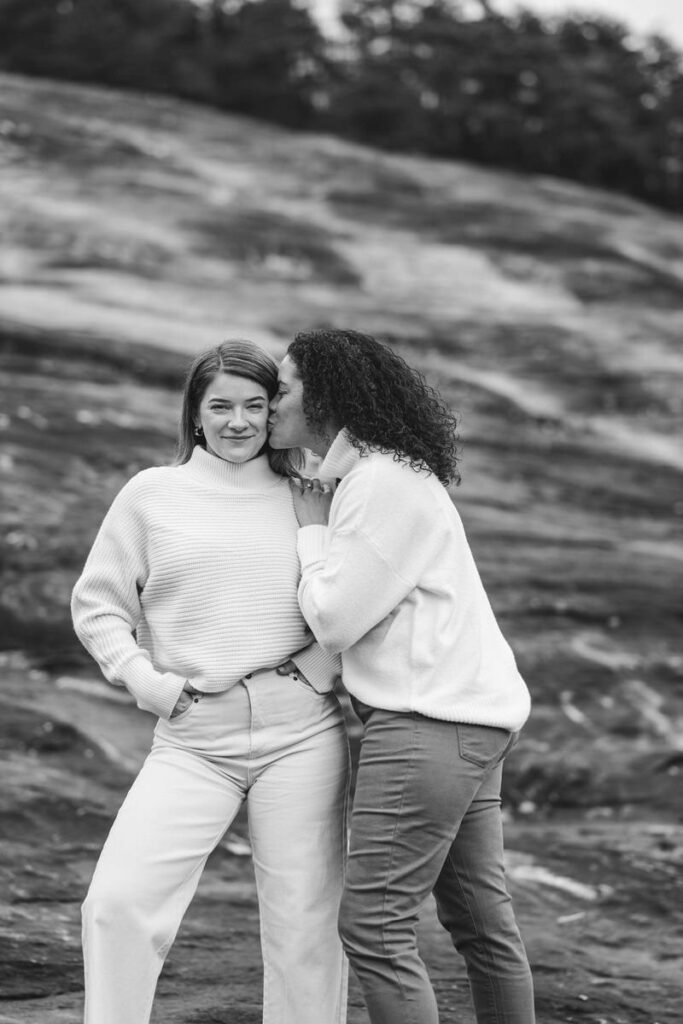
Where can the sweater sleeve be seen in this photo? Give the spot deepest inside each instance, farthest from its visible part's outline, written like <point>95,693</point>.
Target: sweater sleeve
<point>346,587</point>
<point>320,667</point>
<point>105,607</point>
<point>383,536</point>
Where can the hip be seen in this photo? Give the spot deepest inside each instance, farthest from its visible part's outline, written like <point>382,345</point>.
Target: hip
<point>260,713</point>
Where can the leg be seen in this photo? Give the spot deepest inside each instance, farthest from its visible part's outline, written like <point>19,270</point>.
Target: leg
<point>474,906</point>
<point>297,812</point>
<point>173,816</point>
<point>413,789</point>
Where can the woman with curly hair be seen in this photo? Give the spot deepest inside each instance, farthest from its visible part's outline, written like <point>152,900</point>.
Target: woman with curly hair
<point>389,581</point>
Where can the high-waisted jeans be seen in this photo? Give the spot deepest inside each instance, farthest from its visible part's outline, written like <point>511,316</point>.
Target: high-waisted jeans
<point>276,743</point>
<point>426,818</point>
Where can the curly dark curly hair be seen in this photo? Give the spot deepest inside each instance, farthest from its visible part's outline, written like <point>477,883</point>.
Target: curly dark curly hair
<point>354,381</point>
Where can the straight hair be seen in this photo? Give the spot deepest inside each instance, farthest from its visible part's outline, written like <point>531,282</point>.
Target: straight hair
<point>243,359</point>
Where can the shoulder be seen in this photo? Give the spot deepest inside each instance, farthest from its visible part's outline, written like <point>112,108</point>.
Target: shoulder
<point>388,473</point>
<point>381,488</point>
<point>148,484</point>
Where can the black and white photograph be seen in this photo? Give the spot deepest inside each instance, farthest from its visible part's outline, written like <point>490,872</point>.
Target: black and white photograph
<point>341,517</point>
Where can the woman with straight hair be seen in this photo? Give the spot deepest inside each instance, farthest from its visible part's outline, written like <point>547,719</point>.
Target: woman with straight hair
<point>388,580</point>
<point>189,599</point>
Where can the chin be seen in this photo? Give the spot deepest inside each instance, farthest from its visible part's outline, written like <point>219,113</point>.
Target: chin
<point>238,457</point>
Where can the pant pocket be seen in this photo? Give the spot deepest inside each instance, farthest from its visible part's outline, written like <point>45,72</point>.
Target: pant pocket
<point>188,710</point>
<point>302,682</point>
<point>483,745</point>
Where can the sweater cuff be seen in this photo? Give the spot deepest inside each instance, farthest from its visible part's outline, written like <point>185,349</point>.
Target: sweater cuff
<point>320,668</point>
<point>312,544</point>
<point>154,691</point>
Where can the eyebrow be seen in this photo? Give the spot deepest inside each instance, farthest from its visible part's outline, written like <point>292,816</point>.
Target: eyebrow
<point>229,401</point>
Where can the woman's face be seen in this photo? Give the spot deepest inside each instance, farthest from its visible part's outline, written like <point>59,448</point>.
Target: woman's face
<point>233,414</point>
<point>287,424</point>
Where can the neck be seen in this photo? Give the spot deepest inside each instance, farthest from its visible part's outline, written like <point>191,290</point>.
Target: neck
<point>321,443</point>
<point>321,446</point>
<point>340,458</point>
<point>253,474</point>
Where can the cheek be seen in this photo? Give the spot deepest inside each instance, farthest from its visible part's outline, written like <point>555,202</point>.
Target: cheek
<point>261,422</point>
<point>211,422</point>
<point>289,409</point>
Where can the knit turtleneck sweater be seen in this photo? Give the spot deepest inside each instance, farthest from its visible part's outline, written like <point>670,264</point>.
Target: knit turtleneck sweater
<point>193,576</point>
<point>391,583</point>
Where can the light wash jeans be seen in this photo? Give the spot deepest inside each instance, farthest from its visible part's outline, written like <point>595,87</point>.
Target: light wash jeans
<point>426,818</point>
<point>276,743</point>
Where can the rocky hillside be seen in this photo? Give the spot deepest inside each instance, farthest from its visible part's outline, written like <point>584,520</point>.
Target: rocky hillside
<point>136,231</point>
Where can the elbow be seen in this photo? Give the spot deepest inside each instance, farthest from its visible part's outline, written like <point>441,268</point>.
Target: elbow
<point>328,617</point>
<point>331,642</point>
<point>328,629</point>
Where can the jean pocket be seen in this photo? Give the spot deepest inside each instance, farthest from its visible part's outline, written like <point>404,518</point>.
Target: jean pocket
<point>483,745</point>
<point>302,682</point>
<point>185,713</point>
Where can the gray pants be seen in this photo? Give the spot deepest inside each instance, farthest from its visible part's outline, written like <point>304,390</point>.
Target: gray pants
<point>426,818</point>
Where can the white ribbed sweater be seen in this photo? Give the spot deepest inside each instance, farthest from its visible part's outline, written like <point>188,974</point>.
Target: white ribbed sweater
<point>200,561</point>
<point>392,584</point>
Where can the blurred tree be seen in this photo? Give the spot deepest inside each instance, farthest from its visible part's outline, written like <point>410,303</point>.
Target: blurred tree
<point>266,57</point>
<point>263,57</point>
<point>375,95</point>
<point>119,42</point>
<point>574,96</point>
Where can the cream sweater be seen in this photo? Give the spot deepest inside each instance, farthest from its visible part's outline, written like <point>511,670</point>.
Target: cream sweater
<point>193,575</point>
<point>392,584</point>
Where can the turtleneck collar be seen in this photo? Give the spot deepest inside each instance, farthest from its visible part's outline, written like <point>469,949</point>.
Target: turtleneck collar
<point>254,475</point>
<point>341,457</point>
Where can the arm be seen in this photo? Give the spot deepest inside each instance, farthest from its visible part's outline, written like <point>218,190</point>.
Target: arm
<point>318,666</point>
<point>384,532</point>
<point>106,607</point>
<point>347,586</point>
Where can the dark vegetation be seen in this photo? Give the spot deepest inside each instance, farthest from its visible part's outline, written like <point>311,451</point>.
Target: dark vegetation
<point>574,96</point>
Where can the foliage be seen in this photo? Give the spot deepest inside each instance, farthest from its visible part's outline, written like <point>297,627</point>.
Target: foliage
<point>575,96</point>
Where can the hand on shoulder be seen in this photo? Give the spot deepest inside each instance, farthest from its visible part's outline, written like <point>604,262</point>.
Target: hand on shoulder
<point>312,500</point>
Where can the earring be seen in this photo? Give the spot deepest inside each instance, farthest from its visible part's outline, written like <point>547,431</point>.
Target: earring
<point>198,432</point>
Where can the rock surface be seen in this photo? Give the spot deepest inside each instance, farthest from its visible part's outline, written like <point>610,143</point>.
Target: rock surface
<point>138,230</point>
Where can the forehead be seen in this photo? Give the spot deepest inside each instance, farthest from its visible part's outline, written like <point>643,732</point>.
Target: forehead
<point>287,373</point>
<point>228,387</point>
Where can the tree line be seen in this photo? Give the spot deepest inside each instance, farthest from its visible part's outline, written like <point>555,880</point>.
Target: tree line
<point>573,96</point>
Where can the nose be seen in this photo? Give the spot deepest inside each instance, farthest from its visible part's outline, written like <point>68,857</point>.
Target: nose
<point>237,421</point>
<point>274,402</point>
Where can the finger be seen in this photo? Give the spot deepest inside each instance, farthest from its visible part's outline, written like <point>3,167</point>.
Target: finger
<point>286,668</point>
<point>316,486</point>
<point>296,484</point>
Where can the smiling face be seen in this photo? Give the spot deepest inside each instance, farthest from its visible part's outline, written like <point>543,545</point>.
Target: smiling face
<point>233,414</point>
